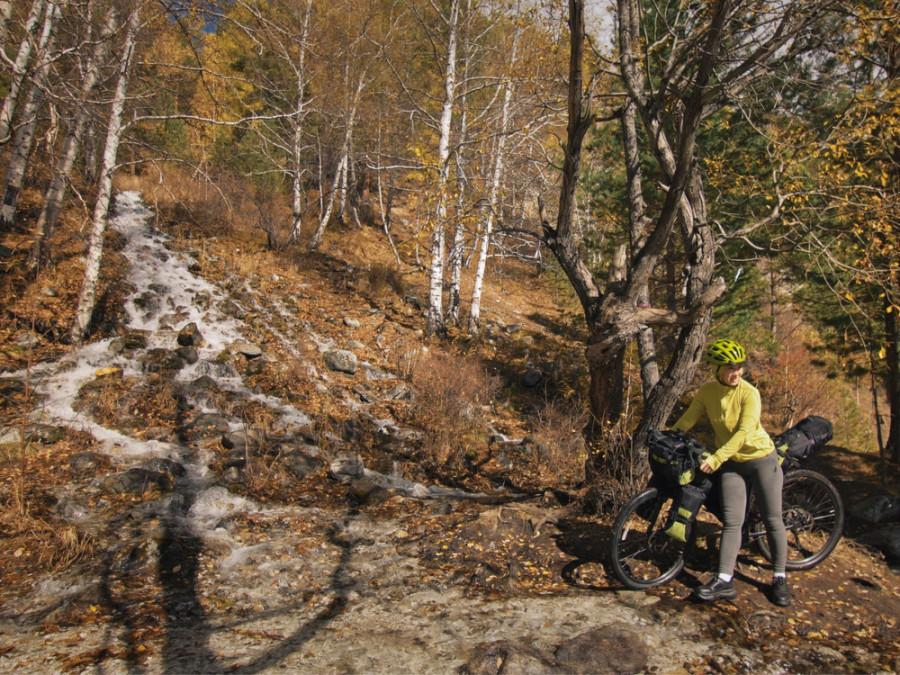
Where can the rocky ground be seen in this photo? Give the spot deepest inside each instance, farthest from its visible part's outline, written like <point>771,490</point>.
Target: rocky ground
<point>228,481</point>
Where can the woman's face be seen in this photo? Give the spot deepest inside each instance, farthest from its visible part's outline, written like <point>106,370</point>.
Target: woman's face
<point>731,375</point>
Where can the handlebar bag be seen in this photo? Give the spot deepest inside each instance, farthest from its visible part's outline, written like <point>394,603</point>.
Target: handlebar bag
<point>674,456</point>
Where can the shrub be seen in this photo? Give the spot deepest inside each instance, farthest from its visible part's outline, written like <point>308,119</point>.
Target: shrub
<point>452,394</point>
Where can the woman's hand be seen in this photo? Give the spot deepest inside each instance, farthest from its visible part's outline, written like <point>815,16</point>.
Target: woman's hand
<point>706,468</point>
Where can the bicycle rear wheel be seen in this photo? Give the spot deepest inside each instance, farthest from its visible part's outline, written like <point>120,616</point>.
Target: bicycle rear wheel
<point>813,516</point>
<point>642,554</point>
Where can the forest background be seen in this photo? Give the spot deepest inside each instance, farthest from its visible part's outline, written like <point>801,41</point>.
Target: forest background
<point>688,166</point>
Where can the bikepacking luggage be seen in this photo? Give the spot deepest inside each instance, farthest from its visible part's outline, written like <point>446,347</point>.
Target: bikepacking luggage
<point>808,435</point>
<point>675,459</point>
<point>674,456</point>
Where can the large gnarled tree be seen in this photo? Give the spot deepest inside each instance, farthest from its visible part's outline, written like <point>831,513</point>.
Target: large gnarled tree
<point>678,64</point>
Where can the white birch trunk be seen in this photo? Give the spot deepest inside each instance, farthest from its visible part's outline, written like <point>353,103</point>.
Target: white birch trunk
<point>87,298</point>
<point>436,284</point>
<point>5,15</point>
<point>340,172</point>
<point>19,70</point>
<point>24,136</point>
<point>297,197</point>
<point>496,179</point>
<point>56,192</point>
<point>457,251</point>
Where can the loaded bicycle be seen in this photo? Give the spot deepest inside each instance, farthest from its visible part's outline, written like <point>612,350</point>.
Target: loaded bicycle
<point>643,555</point>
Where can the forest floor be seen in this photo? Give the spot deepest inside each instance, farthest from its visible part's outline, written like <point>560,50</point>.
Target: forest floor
<point>305,577</point>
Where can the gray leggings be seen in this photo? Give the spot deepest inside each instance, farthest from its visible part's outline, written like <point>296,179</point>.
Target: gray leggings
<point>766,478</point>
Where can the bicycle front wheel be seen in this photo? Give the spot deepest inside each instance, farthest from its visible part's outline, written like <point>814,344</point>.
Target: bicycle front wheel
<point>642,554</point>
<point>813,517</point>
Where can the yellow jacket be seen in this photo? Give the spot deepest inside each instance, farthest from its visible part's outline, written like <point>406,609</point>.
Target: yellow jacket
<point>734,415</point>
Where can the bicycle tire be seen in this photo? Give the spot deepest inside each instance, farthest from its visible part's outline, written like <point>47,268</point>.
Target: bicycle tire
<point>813,516</point>
<point>642,554</point>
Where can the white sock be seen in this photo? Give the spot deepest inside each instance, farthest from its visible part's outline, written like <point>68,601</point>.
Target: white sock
<point>778,575</point>
<point>725,577</point>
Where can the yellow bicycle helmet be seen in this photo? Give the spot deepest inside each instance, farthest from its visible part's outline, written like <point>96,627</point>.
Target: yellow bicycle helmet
<point>725,353</point>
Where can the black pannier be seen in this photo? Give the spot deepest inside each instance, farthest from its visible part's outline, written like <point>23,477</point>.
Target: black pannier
<point>805,437</point>
<point>675,459</point>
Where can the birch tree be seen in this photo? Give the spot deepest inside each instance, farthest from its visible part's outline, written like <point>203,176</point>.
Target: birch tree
<point>88,295</point>
<point>19,69</point>
<point>484,241</point>
<point>24,136</point>
<point>56,191</point>
<point>436,323</point>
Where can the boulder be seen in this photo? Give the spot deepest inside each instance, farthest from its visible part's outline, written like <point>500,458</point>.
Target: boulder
<point>877,509</point>
<point>135,481</point>
<point>885,539</point>
<point>161,360</point>
<point>509,657</point>
<point>248,350</point>
<point>206,425</point>
<point>341,360</point>
<point>347,465</point>
<point>301,464</point>
<point>608,649</point>
<point>190,336</point>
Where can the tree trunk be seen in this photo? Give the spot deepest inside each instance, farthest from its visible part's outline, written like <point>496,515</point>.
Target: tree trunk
<point>53,200</point>
<point>892,340</point>
<point>457,252</point>
<point>340,174</point>
<point>5,15</point>
<point>19,71</point>
<point>88,296</point>
<point>297,192</point>
<point>24,136</point>
<point>618,315</point>
<point>496,180</point>
<point>639,224</point>
<point>436,323</point>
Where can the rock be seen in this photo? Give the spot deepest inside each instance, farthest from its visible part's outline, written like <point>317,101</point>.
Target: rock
<point>251,440</point>
<point>82,461</point>
<point>44,434</point>
<point>161,360</point>
<point>135,481</point>
<point>190,336</point>
<point>189,354</point>
<point>508,657</point>
<point>166,466</point>
<point>877,509</point>
<point>341,360</point>
<point>351,322</point>
<point>112,372</point>
<point>250,351</point>
<point>532,377</point>
<point>347,465</point>
<point>365,492</point>
<point>885,539</point>
<point>609,649</point>
<point>128,343</point>
<point>355,344</point>
<point>203,383</point>
<point>206,425</point>
<point>229,307</point>
<point>301,464</point>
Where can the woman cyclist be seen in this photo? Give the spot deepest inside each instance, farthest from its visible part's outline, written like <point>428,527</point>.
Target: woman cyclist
<point>745,453</point>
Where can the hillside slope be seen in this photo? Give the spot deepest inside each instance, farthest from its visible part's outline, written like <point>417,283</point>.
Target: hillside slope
<point>260,462</point>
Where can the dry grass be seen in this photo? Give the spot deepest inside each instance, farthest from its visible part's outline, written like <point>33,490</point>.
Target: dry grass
<point>561,455</point>
<point>453,394</point>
